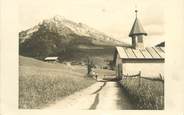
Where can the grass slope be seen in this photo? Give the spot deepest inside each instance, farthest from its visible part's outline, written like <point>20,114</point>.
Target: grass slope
<point>42,83</point>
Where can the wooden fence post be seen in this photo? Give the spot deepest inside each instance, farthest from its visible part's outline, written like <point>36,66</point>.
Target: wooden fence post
<point>160,76</point>
<point>163,86</point>
<point>162,80</point>
<point>139,78</point>
<point>127,79</point>
<point>162,101</point>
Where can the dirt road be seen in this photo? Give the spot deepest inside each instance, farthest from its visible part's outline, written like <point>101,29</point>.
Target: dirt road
<point>101,95</point>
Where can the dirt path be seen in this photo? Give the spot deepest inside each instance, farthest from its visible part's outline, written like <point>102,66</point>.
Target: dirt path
<point>101,95</point>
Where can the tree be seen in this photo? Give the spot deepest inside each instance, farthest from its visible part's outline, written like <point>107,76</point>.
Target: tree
<point>90,65</point>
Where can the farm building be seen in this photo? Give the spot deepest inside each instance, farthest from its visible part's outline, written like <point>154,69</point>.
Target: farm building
<point>132,60</point>
<point>51,59</point>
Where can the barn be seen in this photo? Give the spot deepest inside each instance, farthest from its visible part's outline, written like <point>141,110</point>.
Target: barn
<point>51,59</point>
<point>149,61</point>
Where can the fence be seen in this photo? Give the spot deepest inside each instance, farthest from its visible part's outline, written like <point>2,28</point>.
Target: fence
<point>139,76</point>
<point>145,92</point>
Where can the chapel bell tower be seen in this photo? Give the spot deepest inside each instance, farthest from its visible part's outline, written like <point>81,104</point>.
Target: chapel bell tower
<point>137,32</point>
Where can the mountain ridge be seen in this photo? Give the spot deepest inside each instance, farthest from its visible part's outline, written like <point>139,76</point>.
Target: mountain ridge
<point>64,27</point>
<point>58,36</point>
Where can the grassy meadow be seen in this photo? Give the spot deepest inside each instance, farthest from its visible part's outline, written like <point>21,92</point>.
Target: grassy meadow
<point>147,95</point>
<point>42,83</point>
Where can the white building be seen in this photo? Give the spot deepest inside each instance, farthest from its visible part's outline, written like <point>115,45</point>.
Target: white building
<point>51,59</point>
<point>132,60</point>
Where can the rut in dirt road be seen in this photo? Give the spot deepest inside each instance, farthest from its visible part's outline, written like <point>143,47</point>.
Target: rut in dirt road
<point>111,97</point>
<point>101,95</point>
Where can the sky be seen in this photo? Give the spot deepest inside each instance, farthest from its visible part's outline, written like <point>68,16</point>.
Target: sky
<point>112,17</point>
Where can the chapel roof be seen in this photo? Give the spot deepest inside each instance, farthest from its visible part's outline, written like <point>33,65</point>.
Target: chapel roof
<point>147,53</point>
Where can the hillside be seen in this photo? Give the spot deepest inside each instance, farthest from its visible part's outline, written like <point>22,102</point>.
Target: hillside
<point>61,37</point>
<point>42,83</point>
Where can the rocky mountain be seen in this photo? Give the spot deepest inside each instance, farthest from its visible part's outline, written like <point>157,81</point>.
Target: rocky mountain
<point>59,36</point>
<point>65,27</point>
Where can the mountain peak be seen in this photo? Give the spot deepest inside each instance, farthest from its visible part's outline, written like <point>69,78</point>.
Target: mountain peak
<point>58,18</point>
<point>62,26</point>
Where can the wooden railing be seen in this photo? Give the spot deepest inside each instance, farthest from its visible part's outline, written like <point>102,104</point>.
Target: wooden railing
<point>144,90</point>
<point>138,75</point>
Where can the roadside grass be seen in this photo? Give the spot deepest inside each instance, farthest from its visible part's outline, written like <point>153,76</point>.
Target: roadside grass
<point>148,95</point>
<point>41,83</point>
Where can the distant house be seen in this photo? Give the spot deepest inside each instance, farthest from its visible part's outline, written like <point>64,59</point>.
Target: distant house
<point>51,59</point>
<point>130,61</point>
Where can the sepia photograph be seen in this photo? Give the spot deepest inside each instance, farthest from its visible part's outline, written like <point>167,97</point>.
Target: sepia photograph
<point>91,55</point>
